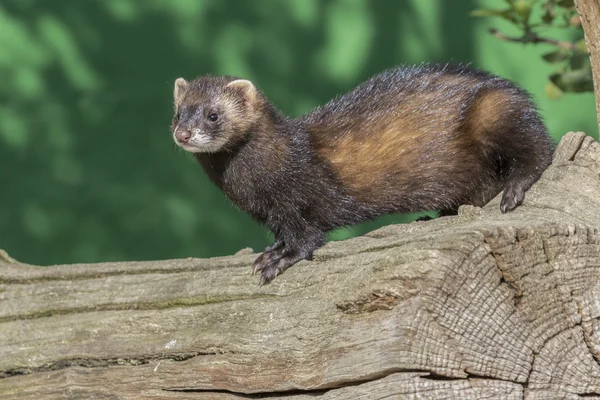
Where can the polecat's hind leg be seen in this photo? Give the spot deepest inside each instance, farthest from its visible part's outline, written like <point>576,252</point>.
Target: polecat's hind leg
<point>527,157</point>
<point>513,137</point>
<point>514,193</point>
<point>523,176</point>
<point>518,183</point>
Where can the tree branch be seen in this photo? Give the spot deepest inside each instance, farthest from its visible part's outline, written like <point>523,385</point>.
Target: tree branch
<point>533,38</point>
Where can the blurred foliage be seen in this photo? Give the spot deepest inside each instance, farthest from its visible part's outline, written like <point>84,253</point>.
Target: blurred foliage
<point>88,170</point>
<point>532,17</point>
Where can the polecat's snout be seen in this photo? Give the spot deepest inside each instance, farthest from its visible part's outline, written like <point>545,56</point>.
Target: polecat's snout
<point>194,140</point>
<point>182,135</point>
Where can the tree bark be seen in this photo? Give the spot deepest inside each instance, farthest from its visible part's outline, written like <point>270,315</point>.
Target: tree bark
<point>480,305</point>
<point>589,13</point>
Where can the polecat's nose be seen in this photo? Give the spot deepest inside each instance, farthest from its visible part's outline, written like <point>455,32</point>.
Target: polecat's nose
<point>183,135</point>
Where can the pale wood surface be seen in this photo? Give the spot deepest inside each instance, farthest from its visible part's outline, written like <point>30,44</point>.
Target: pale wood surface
<point>589,13</point>
<point>478,306</point>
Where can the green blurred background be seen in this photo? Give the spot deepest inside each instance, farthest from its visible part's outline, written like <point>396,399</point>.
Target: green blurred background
<point>88,171</point>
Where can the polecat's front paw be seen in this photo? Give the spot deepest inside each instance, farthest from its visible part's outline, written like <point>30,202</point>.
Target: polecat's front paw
<point>268,265</point>
<point>269,273</point>
<point>276,264</point>
<point>260,263</point>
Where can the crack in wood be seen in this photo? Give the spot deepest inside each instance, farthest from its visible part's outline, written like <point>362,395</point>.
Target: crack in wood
<point>507,280</point>
<point>437,377</point>
<point>526,383</point>
<point>535,353</point>
<point>79,276</point>
<point>577,148</point>
<point>257,395</point>
<point>588,331</point>
<point>151,305</point>
<point>102,275</point>
<point>108,362</point>
<point>319,391</point>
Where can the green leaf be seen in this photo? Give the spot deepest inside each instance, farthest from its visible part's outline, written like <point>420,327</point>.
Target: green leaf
<point>581,47</point>
<point>575,81</point>
<point>548,17</point>
<point>552,91</point>
<point>566,3</point>
<point>579,81</point>
<point>579,61</point>
<point>523,9</point>
<point>556,56</point>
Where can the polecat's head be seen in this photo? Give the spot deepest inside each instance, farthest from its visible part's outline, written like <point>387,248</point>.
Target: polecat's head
<point>213,112</point>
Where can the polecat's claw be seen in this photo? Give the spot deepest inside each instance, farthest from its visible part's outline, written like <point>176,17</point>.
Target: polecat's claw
<point>260,262</point>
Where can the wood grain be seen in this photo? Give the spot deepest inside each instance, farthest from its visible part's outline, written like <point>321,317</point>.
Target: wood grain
<point>481,305</point>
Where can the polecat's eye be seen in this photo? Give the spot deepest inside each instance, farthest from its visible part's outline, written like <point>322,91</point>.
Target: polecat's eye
<point>213,117</point>
<point>177,116</point>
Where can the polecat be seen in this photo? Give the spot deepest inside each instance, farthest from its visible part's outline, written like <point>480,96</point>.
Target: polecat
<point>430,137</point>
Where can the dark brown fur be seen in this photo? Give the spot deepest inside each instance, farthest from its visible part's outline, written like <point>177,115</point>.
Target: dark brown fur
<point>409,139</point>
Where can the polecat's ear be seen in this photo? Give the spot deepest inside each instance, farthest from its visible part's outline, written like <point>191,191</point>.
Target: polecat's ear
<point>179,90</point>
<point>245,86</point>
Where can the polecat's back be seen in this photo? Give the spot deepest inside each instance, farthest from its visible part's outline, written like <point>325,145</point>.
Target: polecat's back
<point>429,137</point>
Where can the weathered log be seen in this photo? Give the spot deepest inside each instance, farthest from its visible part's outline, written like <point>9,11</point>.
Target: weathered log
<point>481,305</point>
